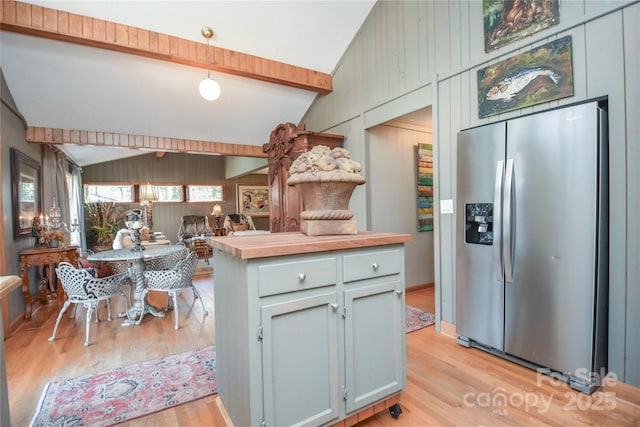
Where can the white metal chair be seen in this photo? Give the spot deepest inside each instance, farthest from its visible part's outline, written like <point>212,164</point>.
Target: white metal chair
<point>83,288</point>
<point>168,262</point>
<point>173,281</point>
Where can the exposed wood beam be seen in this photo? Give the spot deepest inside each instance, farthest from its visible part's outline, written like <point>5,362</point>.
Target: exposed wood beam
<point>141,142</point>
<point>25,18</point>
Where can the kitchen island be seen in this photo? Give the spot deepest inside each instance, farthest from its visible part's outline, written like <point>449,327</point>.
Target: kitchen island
<point>309,329</point>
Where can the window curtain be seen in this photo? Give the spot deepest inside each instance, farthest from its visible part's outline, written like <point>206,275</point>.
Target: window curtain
<point>78,237</point>
<point>54,182</point>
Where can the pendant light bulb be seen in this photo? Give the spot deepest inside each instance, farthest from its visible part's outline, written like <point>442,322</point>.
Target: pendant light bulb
<point>209,89</point>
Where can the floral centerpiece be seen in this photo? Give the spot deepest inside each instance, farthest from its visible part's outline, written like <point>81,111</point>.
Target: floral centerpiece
<point>47,235</point>
<point>54,238</point>
<point>326,179</point>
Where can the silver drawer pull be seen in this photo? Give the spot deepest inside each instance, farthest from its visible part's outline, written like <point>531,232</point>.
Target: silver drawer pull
<point>335,307</point>
<point>374,266</point>
<point>301,277</point>
<point>399,291</point>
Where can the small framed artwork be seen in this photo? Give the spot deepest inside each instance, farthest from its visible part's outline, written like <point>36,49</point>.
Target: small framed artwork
<point>253,200</point>
<point>540,75</point>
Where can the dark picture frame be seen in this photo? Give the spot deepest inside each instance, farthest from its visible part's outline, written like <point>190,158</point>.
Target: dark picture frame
<point>26,193</point>
<point>540,75</point>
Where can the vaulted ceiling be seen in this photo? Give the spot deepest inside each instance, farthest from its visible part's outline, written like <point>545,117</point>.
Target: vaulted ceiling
<point>92,73</point>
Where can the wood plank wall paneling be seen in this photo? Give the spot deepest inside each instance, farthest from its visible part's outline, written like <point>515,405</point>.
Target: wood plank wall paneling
<point>25,18</point>
<point>179,169</point>
<point>631,17</point>
<point>144,143</point>
<point>605,63</point>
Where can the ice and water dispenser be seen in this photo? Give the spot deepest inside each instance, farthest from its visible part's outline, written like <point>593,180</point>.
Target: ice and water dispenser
<point>479,223</point>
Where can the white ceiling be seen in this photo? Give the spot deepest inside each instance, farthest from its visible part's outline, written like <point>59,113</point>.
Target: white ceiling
<point>61,85</point>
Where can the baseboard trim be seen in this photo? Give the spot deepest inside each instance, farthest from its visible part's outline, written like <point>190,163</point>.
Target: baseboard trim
<point>448,329</point>
<point>420,287</point>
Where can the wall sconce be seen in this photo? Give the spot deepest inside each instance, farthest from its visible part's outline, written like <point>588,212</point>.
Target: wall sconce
<point>209,88</point>
<point>217,211</point>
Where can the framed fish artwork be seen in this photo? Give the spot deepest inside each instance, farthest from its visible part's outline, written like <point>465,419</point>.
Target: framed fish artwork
<point>506,21</point>
<point>540,75</point>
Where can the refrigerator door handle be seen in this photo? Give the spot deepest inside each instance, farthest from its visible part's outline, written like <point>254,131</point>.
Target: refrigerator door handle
<point>507,243</point>
<point>497,222</point>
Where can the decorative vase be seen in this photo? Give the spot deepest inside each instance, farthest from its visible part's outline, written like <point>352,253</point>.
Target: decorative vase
<point>326,200</point>
<point>326,179</point>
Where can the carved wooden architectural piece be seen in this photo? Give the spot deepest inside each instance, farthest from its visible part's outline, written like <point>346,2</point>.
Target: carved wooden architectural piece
<point>286,142</point>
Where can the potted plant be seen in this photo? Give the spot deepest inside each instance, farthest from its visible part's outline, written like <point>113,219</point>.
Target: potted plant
<point>104,220</point>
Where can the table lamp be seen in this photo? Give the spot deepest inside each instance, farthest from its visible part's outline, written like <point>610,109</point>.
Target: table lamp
<point>217,211</point>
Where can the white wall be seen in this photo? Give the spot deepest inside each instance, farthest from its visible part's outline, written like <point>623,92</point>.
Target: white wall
<point>412,54</point>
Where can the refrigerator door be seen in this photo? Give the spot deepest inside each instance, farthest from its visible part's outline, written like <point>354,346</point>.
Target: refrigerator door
<point>549,304</point>
<point>479,276</point>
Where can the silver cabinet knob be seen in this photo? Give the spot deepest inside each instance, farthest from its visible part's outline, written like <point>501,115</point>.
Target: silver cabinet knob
<point>399,291</point>
<point>335,307</point>
<point>374,266</point>
<point>301,277</point>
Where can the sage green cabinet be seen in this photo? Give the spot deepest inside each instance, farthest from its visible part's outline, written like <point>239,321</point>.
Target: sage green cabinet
<point>309,339</point>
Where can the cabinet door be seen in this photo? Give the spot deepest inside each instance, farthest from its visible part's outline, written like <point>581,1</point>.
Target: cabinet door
<point>374,343</point>
<point>300,361</point>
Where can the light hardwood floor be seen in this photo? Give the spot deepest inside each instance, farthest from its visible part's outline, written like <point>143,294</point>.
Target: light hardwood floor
<point>446,383</point>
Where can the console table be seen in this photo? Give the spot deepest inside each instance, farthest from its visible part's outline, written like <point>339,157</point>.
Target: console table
<point>44,256</point>
<point>309,329</point>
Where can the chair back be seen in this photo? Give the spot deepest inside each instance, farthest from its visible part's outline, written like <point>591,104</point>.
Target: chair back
<point>193,226</point>
<point>73,280</point>
<point>187,268</point>
<point>168,262</point>
<point>80,285</point>
<point>238,222</point>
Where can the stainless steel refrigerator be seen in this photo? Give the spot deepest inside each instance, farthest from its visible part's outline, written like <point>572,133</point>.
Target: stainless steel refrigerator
<point>532,241</point>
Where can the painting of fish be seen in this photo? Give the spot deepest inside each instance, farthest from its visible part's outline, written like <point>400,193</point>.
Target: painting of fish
<point>540,75</point>
<point>511,86</point>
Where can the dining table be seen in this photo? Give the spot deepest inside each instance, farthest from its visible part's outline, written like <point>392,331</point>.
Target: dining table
<point>137,259</point>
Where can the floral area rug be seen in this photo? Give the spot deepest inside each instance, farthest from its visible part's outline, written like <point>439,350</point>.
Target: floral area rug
<point>415,318</point>
<point>128,392</point>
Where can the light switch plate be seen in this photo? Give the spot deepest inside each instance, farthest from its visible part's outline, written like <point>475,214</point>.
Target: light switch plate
<point>446,206</point>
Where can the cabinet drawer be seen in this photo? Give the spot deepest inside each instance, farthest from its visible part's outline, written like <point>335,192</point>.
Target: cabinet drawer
<point>294,276</point>
<point>371,264</point>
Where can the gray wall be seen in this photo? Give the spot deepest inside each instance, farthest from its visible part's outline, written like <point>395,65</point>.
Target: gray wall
<point>13,136</point>
<point>410,54</point>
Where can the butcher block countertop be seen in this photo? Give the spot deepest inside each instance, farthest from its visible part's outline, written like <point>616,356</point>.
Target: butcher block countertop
<point>277,244</point>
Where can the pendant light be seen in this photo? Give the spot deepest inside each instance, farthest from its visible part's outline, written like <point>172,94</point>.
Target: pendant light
<point>209,88</point>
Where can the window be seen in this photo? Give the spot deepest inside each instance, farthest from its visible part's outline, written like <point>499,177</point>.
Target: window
<point>124,193</point>
<point>205,193</point>
<point>108,193</point>
<point>169,193</point>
